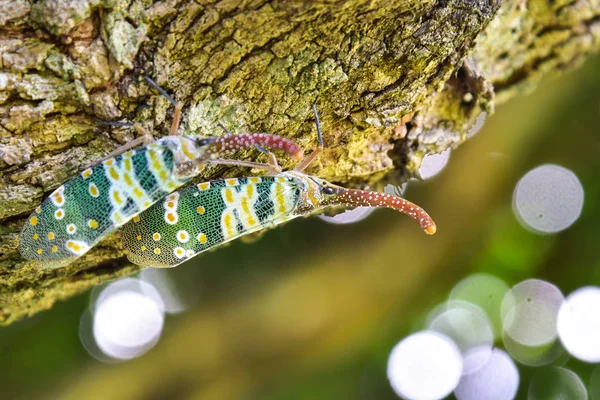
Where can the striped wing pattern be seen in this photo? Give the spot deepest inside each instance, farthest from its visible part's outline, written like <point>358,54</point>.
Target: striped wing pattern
<point>201,217</point>
<point>88,207</point>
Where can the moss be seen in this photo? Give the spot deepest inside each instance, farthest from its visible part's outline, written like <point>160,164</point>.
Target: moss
<point>59,17</point>
<point>370,66</point>
<point>122,38</point>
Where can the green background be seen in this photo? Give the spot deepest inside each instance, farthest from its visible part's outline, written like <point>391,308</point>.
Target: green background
<point>312,310</point>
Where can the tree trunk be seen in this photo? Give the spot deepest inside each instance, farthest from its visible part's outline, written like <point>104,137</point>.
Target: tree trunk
<point>389,79</point>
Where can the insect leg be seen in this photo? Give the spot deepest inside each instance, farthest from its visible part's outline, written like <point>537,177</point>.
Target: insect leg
<point>143,140</point>
<point>178,107</point>
<point>308,160</point>
<point>270,166</point>
<point>272,159</point>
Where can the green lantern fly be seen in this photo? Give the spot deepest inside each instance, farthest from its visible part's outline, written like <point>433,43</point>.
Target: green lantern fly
<point>78,214</point>
<point>198,218</point>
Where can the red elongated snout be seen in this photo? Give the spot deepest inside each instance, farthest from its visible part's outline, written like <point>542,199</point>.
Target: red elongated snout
<point>354,198</point>
<point>231,143</point>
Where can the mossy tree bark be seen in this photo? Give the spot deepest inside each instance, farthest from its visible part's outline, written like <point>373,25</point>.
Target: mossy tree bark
<point>389,78</point>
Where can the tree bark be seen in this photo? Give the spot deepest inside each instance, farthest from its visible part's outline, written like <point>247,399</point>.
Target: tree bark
<point>389,79</point>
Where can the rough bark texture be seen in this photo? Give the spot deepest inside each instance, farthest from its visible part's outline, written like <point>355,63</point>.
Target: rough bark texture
<point>389,79</point>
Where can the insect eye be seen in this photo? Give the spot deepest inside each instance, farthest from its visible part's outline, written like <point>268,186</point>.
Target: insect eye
<point>204,142</point>
<point>329,190</point>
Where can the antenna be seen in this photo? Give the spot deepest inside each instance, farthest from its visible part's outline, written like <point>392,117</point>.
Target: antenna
<point>227,131</point>
<point>112,123</point>
<point>161,90</point>
<point>319,131</point>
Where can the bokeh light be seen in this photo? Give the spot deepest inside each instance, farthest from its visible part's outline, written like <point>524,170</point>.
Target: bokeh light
<point>579,324</point>
<point>486,292</point>
<point>349,216</point>
<point>479,122</point>
<point>125,320</point>
<point>548,199</point>
<point>535,356</point>
<point>433,164</point>
<point>424,366</point>
<point>530,310</point>
<point>396,190</point>
<point>469,327</point>
<point>556,383</point>
<point>595,384</point>
<point>175,299</point>
<point>498,379</point>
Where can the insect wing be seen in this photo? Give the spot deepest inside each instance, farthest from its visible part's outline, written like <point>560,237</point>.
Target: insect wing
<point>77,215</point>
<point>209,214</point>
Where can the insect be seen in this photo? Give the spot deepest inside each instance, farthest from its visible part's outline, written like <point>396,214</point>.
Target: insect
<point>78,214</point>
<point>198,218</point>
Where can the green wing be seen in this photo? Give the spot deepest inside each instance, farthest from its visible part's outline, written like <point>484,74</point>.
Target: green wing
<point>201,217</point>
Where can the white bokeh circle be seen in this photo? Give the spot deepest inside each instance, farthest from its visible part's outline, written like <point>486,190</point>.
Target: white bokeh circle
<point>579,324</point>
<point>530,311</point>
<point>424,366</point>
<point>496,380</point>
<point>548,199</point>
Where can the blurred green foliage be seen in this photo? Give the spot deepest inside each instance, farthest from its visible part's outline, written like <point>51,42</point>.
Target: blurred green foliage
<point>312,310</point>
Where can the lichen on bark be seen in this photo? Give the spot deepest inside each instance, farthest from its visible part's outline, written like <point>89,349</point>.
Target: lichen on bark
<point>389,79</point>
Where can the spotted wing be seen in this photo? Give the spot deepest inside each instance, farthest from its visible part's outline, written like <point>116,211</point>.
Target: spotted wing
<point>88,207</point>
<point>201,217</point>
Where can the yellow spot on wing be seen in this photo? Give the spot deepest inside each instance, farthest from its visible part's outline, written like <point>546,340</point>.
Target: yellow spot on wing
<point>40,251</point>
<point>231,182</point>
<point>200,210</point>
<point>250,190</point>
<point>245,206</point>
<point>156,236</point>
<point>157,251</point>
<point>202,238</point>
<point>50,235</point>
<point>136,218</point>
<point>255,179</point>
<point>113,173</point>
<point>117,197</point>
<point>93,190</point>
<point>137,192</point>
<point>87,173</point>
<point>228,195</point>
<point>279,196</point>
<point>203,186</point>
<point>127,180</point>
<point>139,237</point>
<point>33,221</point>
<point>92,223</point>
<point>54,249</point>
<point>36,236</point>
<point>171,218</point>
